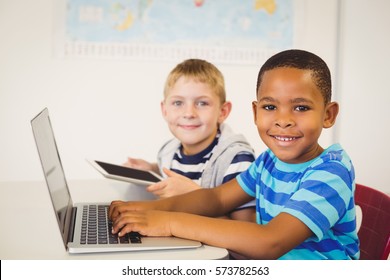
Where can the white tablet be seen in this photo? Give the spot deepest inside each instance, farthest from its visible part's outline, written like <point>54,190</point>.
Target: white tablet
<point>127,174</point>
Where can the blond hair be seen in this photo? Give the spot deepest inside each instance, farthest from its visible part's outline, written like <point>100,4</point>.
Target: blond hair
<point>201,71</point>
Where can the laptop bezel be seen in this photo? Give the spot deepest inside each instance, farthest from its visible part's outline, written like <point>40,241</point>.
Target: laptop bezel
<point>65,228</point>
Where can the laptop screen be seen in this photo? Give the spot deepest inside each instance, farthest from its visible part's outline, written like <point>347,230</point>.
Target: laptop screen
<point>52,168</point>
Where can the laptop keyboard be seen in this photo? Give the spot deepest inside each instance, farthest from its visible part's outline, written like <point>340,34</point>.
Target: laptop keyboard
<point>96,228</point>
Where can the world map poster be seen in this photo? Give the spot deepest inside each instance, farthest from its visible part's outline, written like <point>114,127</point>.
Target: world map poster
<point>228,31</point>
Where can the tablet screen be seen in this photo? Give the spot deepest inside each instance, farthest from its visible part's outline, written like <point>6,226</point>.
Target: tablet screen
<point>123,171</point>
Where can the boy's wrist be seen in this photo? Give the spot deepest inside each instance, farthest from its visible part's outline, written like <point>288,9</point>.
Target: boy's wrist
<point>175,225</point>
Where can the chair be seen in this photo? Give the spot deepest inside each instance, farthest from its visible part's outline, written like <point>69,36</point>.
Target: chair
<point>374,233</point>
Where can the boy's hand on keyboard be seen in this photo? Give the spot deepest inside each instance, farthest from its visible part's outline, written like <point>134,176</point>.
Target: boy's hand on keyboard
<point>147,223</point>
<point>117,207</point>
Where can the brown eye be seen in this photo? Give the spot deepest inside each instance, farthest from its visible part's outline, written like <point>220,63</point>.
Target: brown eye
<point>269,107</point>
<point>301,108</point>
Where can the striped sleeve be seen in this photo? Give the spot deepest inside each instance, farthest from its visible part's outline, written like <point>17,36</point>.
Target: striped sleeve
<point>323,197</point>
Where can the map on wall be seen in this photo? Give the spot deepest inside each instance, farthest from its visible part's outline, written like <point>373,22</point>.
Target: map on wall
<point>218,30</point>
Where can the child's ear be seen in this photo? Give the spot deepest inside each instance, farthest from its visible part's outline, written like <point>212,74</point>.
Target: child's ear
<point>331,112</point>
<point>226,108</point>
<point>163,109</point>
<point>254,110</point>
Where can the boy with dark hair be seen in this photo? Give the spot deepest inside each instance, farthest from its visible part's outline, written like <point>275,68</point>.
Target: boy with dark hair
<point>304,193</point>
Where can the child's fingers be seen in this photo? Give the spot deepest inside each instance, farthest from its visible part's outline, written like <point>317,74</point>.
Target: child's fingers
<point>170,173</point>
<point>156,187</point>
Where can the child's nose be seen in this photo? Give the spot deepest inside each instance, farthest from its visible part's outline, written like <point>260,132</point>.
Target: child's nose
<point>284,120</point>
<point>189,111</point>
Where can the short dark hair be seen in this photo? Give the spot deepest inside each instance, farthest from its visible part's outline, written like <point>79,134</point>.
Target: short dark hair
<point>303,60</point>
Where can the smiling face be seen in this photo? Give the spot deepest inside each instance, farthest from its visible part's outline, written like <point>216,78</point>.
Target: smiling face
<point>193,112</point>
<point>290,113</point>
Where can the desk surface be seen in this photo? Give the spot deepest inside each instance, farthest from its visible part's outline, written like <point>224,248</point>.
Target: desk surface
<point>26,214</point>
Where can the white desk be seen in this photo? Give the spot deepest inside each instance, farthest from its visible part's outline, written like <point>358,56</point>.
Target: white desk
<point>26,214</point>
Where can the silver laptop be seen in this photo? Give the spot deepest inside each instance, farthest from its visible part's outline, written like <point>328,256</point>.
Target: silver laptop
<point>85,228</point>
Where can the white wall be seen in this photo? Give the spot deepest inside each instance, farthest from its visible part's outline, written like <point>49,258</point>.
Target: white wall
<point>108,109</point>
<point>363,89</point>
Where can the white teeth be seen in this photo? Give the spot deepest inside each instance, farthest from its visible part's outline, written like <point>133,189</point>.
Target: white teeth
<point>284,138</point>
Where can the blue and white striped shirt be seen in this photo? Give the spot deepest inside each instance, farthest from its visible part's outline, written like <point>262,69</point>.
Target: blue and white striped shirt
<point>193,166</point>
<point>318,192</point>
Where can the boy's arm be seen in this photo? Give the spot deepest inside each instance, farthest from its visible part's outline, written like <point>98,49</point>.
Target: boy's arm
<point>251,240</point>
<point>244,214</point>
<point>207,202</point>
<point>241,162</point>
